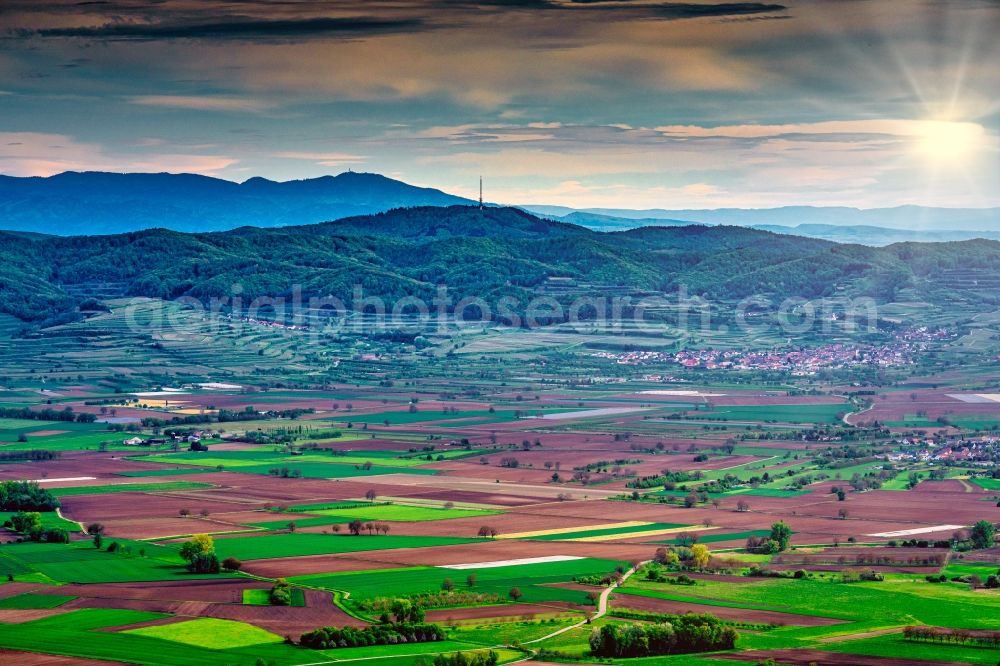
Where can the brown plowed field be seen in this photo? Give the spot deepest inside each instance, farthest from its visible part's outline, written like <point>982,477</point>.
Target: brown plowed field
<point>485,551</point>
<point>35,659</point>
<point>18,615</point>
<point>513,611</point>
<point>776,618</point>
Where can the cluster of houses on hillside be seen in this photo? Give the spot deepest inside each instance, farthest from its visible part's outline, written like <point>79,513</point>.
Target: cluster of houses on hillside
<point>926,334</point>
<point>193,437</point>
<point>801,361</point>
<point>268,323</point>
<point>981,451</point>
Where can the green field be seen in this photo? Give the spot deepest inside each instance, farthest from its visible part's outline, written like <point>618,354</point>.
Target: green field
<point>263,462</point>
<point>167,471</point>
<point>209,633</point>
<point>912,602</point>
<point>986,484</point>
<point>73,437</point>
<point>339,513</point>
<point>262,597</point>
<point>608,531</point>
<point>166,486</point>
<point>478,417</point>
<point>894,645</point>
<point>30,601</point>
<point>401,513</point>
<point>715,537</point>
<point>794,413</point>
<point>533,579</point>
<point>74,634</point>
<point>297,545</point>
<point>49,519</point>
<point>80,562</point>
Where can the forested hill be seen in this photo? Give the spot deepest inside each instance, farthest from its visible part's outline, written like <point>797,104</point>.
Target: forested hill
<point>104,203</point>
<point>486,253</point>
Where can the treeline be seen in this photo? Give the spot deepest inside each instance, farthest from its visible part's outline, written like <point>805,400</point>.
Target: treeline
<point>328,638</point>
<point>664,478</point>
<point>250,414</point>
<point>488,658</point>
<point>26,496</point>
<point>990,639</point>
<point>693,632</point>
<point>648,616</point>
<point>66,415</point>
<point>227,415</point>
<point>34,455</point>
<point>440,599</point>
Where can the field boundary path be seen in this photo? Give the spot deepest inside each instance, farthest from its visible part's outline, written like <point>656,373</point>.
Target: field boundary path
<point>864,634</point>
<point>70,520</point>
<point>602,606</point>
<point>848,415</point>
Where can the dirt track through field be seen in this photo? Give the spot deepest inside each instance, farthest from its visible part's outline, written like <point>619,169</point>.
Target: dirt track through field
<point>860,635</point>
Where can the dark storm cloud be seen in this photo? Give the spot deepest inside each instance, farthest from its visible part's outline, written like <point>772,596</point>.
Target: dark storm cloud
<point>241,29</point>
<point>689,9</point>
<point>665,10</point>
<point>680,10</point>
<point>251,20</point>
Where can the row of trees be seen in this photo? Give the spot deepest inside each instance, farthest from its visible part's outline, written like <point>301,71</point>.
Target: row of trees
<point>489,658</point>
<point>34,455</point>
<point>357,526</point>
<point>989,639</point>
<point>327,638</point>
<point>47,414</point>
<point>446,598</point>
<point>682,634</point>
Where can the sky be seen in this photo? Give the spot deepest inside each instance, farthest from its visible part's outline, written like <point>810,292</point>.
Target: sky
<point>581,103</point>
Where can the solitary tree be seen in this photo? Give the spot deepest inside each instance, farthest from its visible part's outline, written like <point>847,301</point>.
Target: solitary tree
<point>96,530</point>
<point>200,554</point>
<point>199,543</point>
<point>983,534</point>
<point>781,534</point>
<point>370,495</point>
<point>470,580</point>
<point>700,555</point>
<point>515,594</point>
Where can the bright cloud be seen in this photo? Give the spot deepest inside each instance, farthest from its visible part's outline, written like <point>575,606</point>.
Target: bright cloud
<point>40,154</point>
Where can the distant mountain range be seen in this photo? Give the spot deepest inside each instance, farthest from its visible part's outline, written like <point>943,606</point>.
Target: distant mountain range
<point>489,253</point>
<point>90,203</point>
<point>876,227</point>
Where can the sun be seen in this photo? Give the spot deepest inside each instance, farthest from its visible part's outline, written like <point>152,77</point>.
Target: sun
<point>949,142</point>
